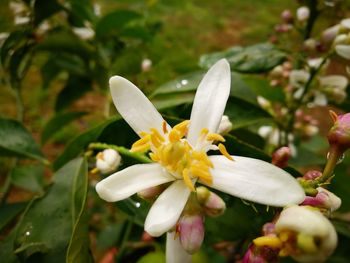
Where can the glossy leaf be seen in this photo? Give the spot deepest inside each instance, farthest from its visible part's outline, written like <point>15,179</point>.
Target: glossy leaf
<point>9,212</point>
<point>6,249</point>
<point>29,177</point>
<point>57,122</point>
<point>115,21</point>
<point>44,9</point>
<point>17,141</point>
<point>258,58</point>
<point>51,222</point>
<point>74,89</point>
<point>79,143</point>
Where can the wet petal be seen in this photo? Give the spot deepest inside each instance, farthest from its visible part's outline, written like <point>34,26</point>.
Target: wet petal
<point>167,209</point>
<point>131,180</point>
<point>210,100</point>
<point>134,106</point>
<point>174,251</point>
<point>256,181</point>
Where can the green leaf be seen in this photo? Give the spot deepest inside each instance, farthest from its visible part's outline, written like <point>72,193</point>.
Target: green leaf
<point>66,42</point>
<point>258,58</point>
<point>79,143</point>
<point>44,9</point>
<point>74,89</point>
<point>29,177</point>
<point>6,248</point>
<point>115,21</point>
<point>9,212</point>
<point>17,141</point>
<point>262,87</point>
<point>153,257</point>
<point>79,244</point>
<point>243,113</point>
<point>58,122</point>
<point>51,222</point>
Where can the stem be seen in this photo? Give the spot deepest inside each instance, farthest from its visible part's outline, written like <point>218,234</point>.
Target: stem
<point>314,12</point>
<point>122,150</point>
<point>19,103</point>
<point>333,158</point>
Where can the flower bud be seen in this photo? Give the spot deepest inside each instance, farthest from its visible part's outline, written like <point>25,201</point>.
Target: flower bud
<point>312,175</point>
<point>151,193</point>
<point>307,235</point>
<point>212,204</point>
<point>310,44</point>
<point>339,134</point>
<point>345,23</point>
<point>343,51</point>
<point>263,254</point>
<point>323,199</point>
<point>146,65</point>
<point>287,16</point>
<point>107,161</point>
<point>225,125</point>
<point>303,13</point>
<point>191,231</point>
<point>281,156</point>
<point>330,34</point>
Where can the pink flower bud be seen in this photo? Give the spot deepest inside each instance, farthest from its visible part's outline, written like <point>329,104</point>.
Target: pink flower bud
<point>287,16</point>
<point>303,13</point>
<point>323,199</point>
<point>312,175</point>
<point>191,232</point>
<point>339,134</point>
<point>264,254</point>
<point>212,204</point>
<point>281,156</point>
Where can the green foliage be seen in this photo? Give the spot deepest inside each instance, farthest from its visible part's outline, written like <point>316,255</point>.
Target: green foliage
<point>29,177</point>
<point>52,222</point>
<point>16,140</point>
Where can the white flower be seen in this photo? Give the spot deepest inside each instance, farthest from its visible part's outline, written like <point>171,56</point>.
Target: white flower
<point>183,161</point>
<point>343,51</point>
<point>84,33</point>
<point>303,13</point>
<point>345,23</point>
<point>314,235</point>
<point>107,161</point>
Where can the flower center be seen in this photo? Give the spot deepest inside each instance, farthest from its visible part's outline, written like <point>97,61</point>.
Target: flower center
<point>175,153</point>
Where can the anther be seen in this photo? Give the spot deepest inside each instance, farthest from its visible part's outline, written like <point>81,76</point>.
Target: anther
<point>165,129</point>
<point>224,152</point>
<point>187,179</point>
<point>269,241</point>
<point>215,137</point>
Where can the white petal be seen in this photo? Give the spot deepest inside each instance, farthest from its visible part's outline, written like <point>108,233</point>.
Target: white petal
<point>210,100</point>
<point>167,209</point>
<point>336,81</point>
<point>131,180</point>
<point>320,99</point>
<point>343,51</point>
<point>134,106</point>
<point>174,251</point>
<point>345,23</point>
<point>256,181</point>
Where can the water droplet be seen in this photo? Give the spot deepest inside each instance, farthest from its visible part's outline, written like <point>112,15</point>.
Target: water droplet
<point>27,233</point>
<point>184,82</point>
<point>137,204</point>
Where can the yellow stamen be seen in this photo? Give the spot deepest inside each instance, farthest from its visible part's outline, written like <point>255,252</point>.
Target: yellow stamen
<point>174,136</point>
<point>201,173</point>
<point>99,156</point>
<point>145,139</point>
<point>333,115</point>
<point>284,236</point>
<point>204,132</point>
<point>224,152</point>
<point>154,157</point>
<point>95,170</point>
<point>182,127</point>
<point>141,148</point>
<point>215,137</point>
<point>165,129</point>
<point>187,180</point>
<point>203,157</point>
<point>270,241</point>
<point>155,140</point>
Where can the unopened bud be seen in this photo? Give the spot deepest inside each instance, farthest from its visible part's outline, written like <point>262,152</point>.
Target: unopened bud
<point>323,199</point>
<point>191,232</point>
<point>312,175</point>
<point>264,103</point>
<point>225,125</point>
<point>287,16</point>
<point>151,193</point>
<point>310,44</point>
<point>339,134</point>
<point>146,65</point>
<point>303,13</point>
<point>262,254</point>
<point>277,71</point>
<point>330,34</point>
<point>212,204</point>
<point>281,157</point>
<point>107,161</point>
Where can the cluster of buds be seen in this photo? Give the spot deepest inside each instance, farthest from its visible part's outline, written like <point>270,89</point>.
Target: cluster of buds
<point>339,38</point>
<point>305,124</point>
<point>288,19</point>
<point>301,232</point>
<point>279,75</point>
